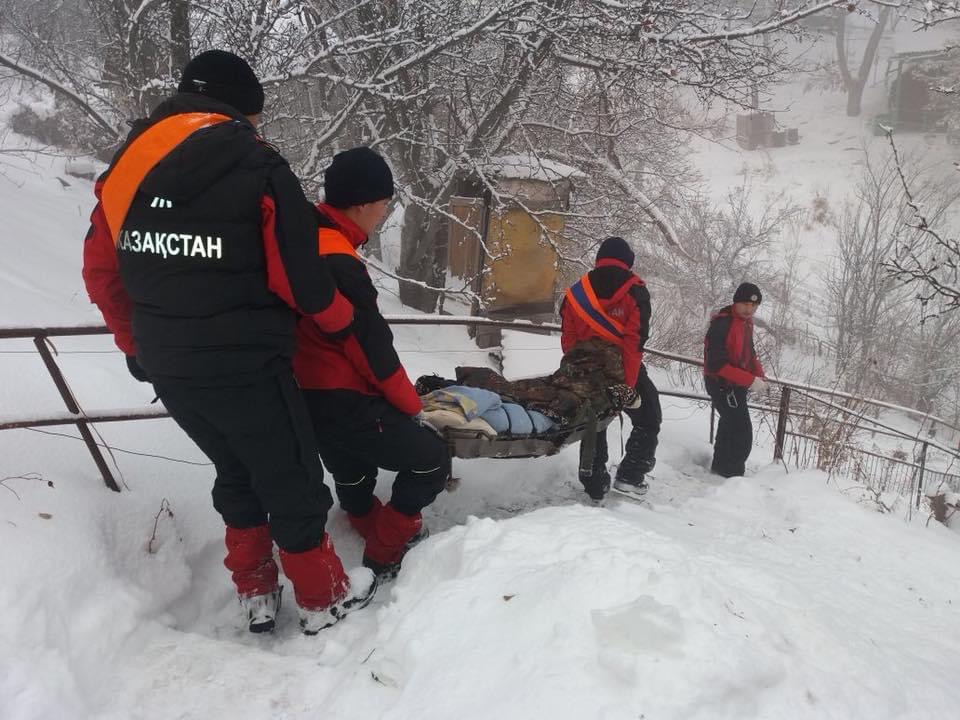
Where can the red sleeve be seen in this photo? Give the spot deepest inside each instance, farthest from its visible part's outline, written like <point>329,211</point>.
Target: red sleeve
<point>632,355</point>
<point>399,392</point>
<point>396,387</point>
<point>743,378</point>
<point>320,299</point>
<point>101,275</point>
<point>716,359</point>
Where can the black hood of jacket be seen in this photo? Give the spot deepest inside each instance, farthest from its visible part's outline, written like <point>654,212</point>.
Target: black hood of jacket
<point>206,155</point>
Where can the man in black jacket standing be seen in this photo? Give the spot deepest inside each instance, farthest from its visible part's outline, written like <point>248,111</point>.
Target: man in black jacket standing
<point>202,255</point>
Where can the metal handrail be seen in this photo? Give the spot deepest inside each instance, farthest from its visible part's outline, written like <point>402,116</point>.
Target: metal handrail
<point>862,451</point>
<point>82,419</point>
<point>9,333</point>
<point>94,417</point>
<point>520,325</point>
<point>685,359</point>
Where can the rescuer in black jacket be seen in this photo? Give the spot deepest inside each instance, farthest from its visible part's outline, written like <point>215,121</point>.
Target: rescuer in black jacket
<point>202,255</point>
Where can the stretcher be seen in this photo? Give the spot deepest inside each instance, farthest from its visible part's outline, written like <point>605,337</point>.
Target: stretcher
<point>468,444</point>
<point>582,397</point>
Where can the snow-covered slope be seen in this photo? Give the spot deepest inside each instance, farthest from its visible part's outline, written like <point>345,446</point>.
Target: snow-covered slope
<point>770,596</point>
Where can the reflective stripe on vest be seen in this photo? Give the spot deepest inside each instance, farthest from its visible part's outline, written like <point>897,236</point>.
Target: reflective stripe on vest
<point>585,304</point>
<point>143,154</point>
<point>334,242</point>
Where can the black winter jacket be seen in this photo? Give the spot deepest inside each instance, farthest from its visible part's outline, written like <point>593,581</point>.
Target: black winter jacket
<point>217,254</point>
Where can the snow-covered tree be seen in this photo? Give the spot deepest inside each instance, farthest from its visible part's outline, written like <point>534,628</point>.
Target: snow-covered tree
<point>885,342</point>
<point>856,82</point>
<point>725,245</point>
<point>925,256</point>
<point>442,88</point>
<point>109,60</point>
<point>864,306</point>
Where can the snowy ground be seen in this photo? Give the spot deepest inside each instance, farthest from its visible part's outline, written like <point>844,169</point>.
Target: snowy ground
<point>771,596</point>
<point>775,596</point>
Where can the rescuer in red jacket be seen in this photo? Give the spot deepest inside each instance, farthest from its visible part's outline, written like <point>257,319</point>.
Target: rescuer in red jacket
<point>364,408</point>
<point>610,302</point>
<point>731,369</point>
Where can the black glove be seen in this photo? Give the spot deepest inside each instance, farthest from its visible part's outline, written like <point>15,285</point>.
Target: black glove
<point>421,420</point>
<point>623,396</point>
<point>134,367</point>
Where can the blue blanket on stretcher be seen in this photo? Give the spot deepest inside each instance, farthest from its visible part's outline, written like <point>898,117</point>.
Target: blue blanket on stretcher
<point>504,418</point>
<point>514,419</point>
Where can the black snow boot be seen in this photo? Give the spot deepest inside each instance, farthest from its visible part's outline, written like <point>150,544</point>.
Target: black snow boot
<point>596,485</point>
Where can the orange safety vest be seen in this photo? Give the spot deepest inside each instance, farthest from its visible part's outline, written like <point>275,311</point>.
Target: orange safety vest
<point>143,154</point>
<point>584,302</point>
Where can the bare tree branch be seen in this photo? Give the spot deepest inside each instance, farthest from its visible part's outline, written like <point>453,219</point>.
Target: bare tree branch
<point>61,90</point>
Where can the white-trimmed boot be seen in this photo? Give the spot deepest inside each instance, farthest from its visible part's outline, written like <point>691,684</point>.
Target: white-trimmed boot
<point>261,610</point>
<point>635,487</point>
<point>363,586</point>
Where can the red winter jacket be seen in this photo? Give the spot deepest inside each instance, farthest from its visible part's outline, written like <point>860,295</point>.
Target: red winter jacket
<point>364,362</point>
<point>728,351</point>
<point>624,300</point>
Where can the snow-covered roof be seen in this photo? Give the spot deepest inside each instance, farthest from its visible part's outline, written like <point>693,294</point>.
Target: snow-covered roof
<point>527,166</point>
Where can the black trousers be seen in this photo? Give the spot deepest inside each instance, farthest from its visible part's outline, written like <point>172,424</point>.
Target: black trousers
<point>641,449</point>
<point>380,437</point>
<point>260,441</point>
<point>734,438</point>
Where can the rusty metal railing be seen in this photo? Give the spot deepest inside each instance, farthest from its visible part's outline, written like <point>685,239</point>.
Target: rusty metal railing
<point>788,443</point>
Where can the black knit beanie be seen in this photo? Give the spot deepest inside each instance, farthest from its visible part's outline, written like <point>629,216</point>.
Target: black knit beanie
<point>225,77</point>
<point>616,248</point>
<point>748,292</point>
<point>356,177</point>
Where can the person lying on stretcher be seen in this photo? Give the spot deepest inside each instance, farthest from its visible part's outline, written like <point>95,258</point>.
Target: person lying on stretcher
<point>588,384</point>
